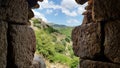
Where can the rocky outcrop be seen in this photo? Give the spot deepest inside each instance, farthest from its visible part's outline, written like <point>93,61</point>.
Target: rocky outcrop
<point>96,41</point>
<point>17,38</point>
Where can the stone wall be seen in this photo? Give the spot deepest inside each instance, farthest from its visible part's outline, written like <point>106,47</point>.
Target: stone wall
<point>17,38</point>
<point>97,40</point>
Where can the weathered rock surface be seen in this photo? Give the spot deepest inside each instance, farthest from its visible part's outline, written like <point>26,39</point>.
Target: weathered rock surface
<point>87,19</point>
<point>88,13</point>
<point>14,10</point>
<point>30,14</point>
<point>97,64</point>
<point>98,45</point>
<point>21,46</point>
<point>112,40</point>
<point>17,39</point>
<point>39,61</point>
<point>106,9</point>
<point>35,65</point>
<point>87,40</point>
<point>3,44</point>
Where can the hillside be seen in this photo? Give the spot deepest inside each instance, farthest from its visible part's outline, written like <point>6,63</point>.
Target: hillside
<point>54,44</point>
<point>57,25</point>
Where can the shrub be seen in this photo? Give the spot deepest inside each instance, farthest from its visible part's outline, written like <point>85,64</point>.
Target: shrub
<point>59,48</point>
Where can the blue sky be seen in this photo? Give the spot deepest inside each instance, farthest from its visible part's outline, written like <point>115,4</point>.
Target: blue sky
<point>65,12</point>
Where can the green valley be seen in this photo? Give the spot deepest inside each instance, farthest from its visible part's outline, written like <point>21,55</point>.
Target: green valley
<point>54,43</point>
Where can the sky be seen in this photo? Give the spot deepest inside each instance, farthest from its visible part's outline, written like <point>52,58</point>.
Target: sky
<point>64,12</point>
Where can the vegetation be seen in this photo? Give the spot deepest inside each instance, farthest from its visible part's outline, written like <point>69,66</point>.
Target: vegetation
<point>55,44</point>
<point>66,31</point>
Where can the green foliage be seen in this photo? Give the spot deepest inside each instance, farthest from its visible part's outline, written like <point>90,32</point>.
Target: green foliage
<point>66,31</point>
<point>51,30</point>
<point>61,58</point>
<point>63,42</point>
<point>45,45</point>
<point>59,48</point>
<point>68,40</point>
<point>74,62</point>
<point>36,21</point>
<point>54,39</point>
<point>53,48</point>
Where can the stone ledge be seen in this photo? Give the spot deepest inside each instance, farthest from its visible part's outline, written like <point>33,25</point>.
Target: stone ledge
<point>97,64</point>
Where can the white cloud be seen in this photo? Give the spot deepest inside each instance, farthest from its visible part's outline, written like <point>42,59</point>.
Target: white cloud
<point>70,21</point>
<point>68,12</point>
<point>81,8</point>
<point>71,8</point>
<point>48,4</point>
<point>69,4</point>
<point>39,15</point>
<point>48,11</point>
<point>68,7</point>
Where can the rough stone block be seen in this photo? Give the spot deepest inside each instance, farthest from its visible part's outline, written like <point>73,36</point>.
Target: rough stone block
<point>106,9</point>
<point>87,40</point>
<point>21,46</point>
<point>3,44</point>
<point>14,10</point>
<point>97,64</point>
<point>112,40</point>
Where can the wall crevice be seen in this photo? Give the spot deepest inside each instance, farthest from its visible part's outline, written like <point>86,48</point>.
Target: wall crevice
<point>10,51</point>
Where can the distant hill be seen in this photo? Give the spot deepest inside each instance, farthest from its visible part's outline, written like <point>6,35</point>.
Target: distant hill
<point>57,25</point>
<point>51,27</point>
<point>66,30</point>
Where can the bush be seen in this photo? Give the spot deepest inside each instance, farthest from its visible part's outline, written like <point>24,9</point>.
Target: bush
<point>63,42</point>
<point>36,21</point>
<point>59,48</point>
<point>74,62</point>
<point>61,58</point>
<point>67,39</point>
<point>45,45</point>
<point>50,30</point>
